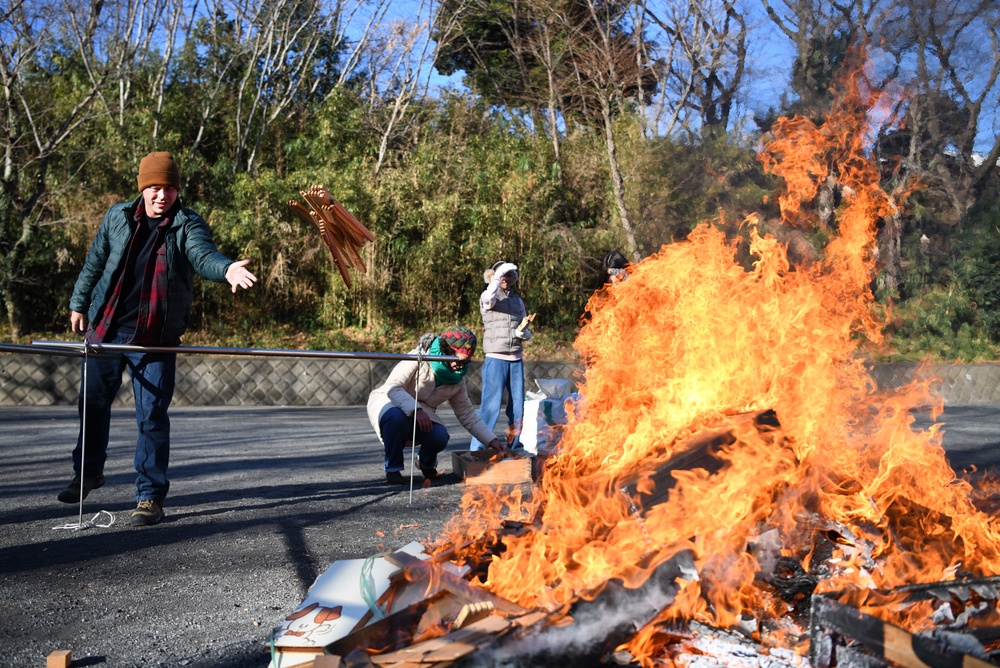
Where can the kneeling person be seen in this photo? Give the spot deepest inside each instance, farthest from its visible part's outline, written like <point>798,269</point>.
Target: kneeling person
<point>426,385</point>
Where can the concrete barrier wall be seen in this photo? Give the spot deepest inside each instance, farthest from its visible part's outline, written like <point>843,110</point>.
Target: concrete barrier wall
<point>40,380</point>
<point>958,384</point>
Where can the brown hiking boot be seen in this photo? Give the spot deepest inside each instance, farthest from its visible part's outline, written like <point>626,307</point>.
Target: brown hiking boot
<point>146,513</point>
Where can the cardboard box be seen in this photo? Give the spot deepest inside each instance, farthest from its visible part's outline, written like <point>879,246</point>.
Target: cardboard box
<point>509,471</point>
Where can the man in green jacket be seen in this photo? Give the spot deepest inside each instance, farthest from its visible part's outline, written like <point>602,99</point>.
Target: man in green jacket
<point>136,287</point>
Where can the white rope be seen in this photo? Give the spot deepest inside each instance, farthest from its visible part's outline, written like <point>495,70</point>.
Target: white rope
<point>92,523</point>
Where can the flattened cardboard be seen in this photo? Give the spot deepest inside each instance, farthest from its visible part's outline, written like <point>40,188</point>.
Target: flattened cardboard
<point>333,607</point>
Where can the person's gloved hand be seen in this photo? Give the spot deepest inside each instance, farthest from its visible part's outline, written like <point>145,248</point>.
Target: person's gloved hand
<point>522,331</point>
<point>504,269</point>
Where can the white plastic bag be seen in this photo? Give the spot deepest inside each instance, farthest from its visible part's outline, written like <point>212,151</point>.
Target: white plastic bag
<point>541,419</point>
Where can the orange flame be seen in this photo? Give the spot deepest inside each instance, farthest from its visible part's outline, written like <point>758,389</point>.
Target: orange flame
<point>687,344</point>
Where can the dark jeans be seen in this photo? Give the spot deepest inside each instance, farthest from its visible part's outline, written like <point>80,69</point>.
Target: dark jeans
<point>397,431</point>
<point>153,377</point>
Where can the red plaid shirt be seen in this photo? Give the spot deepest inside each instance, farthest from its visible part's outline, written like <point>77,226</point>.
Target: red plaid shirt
<point>153,295</point>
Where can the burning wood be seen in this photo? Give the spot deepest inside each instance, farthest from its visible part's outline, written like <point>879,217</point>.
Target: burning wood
<point>843,635</point>
<point>459,622</point>
<point>340,231</point>
<point>699,452</point>
<point>726,417</point>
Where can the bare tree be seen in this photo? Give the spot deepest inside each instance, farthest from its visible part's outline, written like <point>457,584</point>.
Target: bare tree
<point>550,54</point>
<point>604,68</point>
<point>135,37</point>
<point>172,16</point>
<point>216,45</point>
<point>282,41</point>
<point>705,53</point>
<point>822,33</point>
<point>827,36</point>
<point>549,46</point>
<point>34,125</point>
<point>397,65</point>
<point>281,45</point>
<point>950,146</point>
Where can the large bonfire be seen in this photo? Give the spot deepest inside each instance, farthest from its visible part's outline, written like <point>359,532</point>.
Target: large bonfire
<point>693,341</point>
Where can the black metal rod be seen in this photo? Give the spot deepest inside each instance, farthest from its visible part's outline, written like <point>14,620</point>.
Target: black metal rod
<point>77,349</point>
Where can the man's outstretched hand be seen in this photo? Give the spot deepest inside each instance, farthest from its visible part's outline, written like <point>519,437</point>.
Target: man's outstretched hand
<point>238,276</point>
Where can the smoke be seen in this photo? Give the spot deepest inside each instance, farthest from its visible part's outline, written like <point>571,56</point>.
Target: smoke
<point>598,626</point>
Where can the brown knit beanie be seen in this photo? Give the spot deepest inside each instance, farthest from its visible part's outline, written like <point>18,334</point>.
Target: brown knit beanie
<point>158,169</point>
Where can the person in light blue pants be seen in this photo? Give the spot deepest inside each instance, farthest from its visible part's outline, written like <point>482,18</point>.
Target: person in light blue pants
<point>505,321</point>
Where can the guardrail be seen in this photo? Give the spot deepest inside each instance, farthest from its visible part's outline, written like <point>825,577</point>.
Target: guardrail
<point>239,377</point>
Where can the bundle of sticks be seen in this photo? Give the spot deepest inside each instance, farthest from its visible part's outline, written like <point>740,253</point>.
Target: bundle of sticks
<point>342,233</point>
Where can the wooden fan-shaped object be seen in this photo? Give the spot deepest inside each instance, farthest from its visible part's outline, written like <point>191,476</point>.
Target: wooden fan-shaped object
<point>342,233</point>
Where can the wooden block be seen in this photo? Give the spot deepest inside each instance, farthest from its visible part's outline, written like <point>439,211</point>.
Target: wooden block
<point>60,658</point>
<point>443,608</point>
<point>349,218</point>
<point>358,659</point>
<point>475,471</point>
<point>472,612</point>
<point>830,619</point>
<point>338,257</point>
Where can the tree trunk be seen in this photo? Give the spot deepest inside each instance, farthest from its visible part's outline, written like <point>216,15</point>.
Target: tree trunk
<point>554,129</point>
<point>825,202</point>
<point>618,184</point>
<point>9,280</point>
<point>889,254</point>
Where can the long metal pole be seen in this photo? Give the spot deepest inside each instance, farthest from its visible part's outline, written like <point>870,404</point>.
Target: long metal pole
<point>36,350</point>
<point>83,437</point>
<point>416,406</point>
<point>77,349</point>
<point>82,349</point>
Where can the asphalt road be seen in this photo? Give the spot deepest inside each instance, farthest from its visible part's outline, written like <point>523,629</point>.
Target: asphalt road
<point>262,501</point>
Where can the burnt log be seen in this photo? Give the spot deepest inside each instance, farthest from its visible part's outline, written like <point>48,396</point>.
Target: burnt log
<point>697,453</point>
<point>598,627</point>
<point>415,569</point>
<point>390,632</point>
<point>834,626</point>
